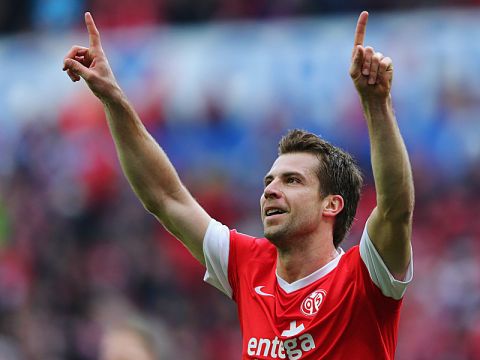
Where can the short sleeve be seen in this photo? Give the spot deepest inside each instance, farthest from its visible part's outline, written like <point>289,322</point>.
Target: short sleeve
<point>216,247</point>
<point>379,272</point>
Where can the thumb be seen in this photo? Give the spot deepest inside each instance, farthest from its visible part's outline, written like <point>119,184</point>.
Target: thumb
<point>77,68</point>
<point>357,62</point>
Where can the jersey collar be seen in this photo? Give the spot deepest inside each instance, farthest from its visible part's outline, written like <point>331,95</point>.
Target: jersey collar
<point>310,279</point>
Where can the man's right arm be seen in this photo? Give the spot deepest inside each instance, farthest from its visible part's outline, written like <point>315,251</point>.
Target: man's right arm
<point>145,164</point>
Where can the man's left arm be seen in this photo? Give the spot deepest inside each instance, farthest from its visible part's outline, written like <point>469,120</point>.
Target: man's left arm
<point>390,224</point>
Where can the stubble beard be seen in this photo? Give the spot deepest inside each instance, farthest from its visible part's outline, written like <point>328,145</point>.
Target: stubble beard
<point>288,233</point>
<point>278,235</point>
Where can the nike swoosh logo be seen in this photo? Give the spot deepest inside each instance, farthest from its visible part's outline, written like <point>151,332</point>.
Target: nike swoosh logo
<point>259,291</point>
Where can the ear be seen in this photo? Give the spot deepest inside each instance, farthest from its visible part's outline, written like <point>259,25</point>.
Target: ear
<point>333,205</point>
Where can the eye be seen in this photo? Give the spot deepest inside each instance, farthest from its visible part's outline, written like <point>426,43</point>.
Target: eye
<point>293,180</point>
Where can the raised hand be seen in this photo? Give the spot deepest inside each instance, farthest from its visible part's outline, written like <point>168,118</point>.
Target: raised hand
<point>371,72</point>
<point>91,64</point>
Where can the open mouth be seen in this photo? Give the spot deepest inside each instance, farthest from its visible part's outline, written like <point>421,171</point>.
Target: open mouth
<point>273,212</point>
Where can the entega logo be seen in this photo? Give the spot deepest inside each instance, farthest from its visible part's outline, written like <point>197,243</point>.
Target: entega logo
<point>291,349</point>
<point>312,302</point>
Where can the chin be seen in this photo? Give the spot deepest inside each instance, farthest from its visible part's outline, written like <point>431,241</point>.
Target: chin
<point>275,236</point>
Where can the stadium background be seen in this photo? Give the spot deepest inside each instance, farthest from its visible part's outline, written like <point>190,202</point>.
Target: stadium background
<point>217,83</point>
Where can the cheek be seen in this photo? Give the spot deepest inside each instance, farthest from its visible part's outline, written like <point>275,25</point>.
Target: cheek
<point>310,209</point>
<point>261,201</point>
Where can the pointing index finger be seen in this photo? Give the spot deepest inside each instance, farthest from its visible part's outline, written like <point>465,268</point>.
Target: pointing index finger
<point>93,34</point>
<point>361,29</point>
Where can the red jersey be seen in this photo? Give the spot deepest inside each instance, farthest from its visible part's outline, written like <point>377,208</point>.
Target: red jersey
<point>337,312</point>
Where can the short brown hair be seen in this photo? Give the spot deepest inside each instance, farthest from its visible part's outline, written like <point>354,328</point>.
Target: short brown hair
<point>338,174</point>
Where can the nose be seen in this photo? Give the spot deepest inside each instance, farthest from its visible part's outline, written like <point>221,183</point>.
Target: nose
<point>271,191</point>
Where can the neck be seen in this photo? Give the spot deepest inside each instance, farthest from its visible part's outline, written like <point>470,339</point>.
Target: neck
<point>298,262</point>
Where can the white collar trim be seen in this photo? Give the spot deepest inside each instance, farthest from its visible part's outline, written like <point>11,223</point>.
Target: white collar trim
<point>309,279</point>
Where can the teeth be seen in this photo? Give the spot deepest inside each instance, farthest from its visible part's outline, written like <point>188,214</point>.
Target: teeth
<point>274,211</point>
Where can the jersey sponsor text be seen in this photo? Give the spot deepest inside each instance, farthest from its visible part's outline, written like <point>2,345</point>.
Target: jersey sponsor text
<point>291,349</point>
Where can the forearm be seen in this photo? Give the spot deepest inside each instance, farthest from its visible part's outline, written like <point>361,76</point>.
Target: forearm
<point>389,225</point>
<point>390,163</point>
<point>145,164</point>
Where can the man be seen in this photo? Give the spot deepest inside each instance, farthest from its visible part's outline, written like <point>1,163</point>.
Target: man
<point>299,296</point>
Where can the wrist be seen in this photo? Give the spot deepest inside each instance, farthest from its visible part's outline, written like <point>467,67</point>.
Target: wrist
<point>377,109</point>
<point>376,101</point>
<point>376,105</point>
<point>113,97</point>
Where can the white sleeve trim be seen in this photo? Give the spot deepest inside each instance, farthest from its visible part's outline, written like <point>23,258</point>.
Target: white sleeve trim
<point>379,272</point>
<point>216,247</point>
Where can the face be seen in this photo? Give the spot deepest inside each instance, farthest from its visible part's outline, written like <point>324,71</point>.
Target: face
<point>291,204</point>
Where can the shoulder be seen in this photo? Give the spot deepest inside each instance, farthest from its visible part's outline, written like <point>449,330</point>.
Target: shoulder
<point>351,264</point>
<point>250,246</point>
<point>350,258</point>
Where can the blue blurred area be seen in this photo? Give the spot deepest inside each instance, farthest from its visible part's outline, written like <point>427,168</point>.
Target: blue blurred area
<point>218,98</point>
<point>56,15</point>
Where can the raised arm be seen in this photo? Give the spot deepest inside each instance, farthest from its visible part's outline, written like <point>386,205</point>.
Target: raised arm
<point>390,224</point>
<point>145,164</point>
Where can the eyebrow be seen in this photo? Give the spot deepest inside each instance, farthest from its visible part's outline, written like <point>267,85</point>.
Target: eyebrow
<point>285,174</point>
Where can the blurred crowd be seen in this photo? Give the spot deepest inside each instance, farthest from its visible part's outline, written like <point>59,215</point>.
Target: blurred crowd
<point>32,15</point>
<point>79,256</point>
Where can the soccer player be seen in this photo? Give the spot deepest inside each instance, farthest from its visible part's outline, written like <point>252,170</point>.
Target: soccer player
<point>299,295</point>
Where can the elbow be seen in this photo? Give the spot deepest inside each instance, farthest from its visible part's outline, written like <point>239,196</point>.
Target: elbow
<point>161,204</point>
<point>403,216</point>
<point>152,205</point>
<point>155,201</point>
<point>398,210</point>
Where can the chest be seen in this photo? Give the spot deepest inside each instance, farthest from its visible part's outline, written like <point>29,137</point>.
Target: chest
<point>275,308</point>
<point>298,324</point>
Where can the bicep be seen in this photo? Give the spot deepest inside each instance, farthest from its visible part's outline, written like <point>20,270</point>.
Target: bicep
<point>392,239</point>
<point>185,219</point>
